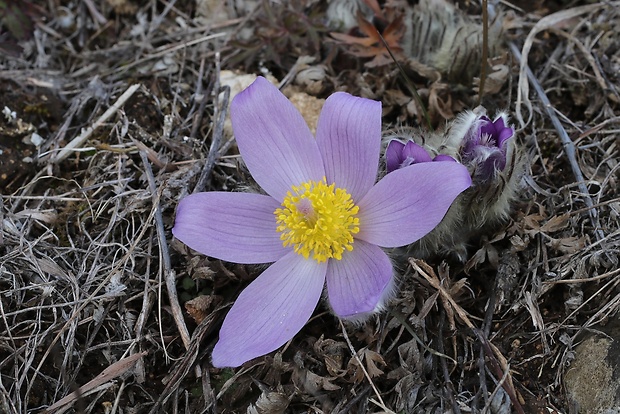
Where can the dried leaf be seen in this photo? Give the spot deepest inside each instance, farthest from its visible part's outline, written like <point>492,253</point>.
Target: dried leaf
<point>494,81</point>
<point>568,245</point>
<point>123,6</point>
<point>269,403</point>
<point>319,382</point>
<point>555,223</point>
<point>407,390</point>
<point>370,359</point>
<point>371,44</point>
<point>113,371</point>
<point>200,307</point>
<point>331,352</point>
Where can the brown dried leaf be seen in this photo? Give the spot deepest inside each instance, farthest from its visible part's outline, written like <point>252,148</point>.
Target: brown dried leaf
<point>113,371</point>
<point>532,222</point>
<point>332,354</point>
<point>319,382</point>
<point>407,390</point>
<point>371,44</point>
<point>123,6</point>
<point>426,71</point>
<point>200,307</point>
<point>555,223</point>
<point>440,100</point>
<point>370,359</point>
<point>457,286</point>
<point>568,245</point>
<point>269,403</point>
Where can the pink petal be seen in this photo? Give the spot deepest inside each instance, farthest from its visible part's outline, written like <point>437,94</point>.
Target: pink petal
<point>349,138</point>
<point>274,140</point>
<point>408,203</point>
<point>359,283</point>
<point>236,227</point>
<point>270,311</point>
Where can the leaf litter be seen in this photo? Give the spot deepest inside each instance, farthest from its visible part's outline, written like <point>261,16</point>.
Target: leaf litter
<point>102,311</point>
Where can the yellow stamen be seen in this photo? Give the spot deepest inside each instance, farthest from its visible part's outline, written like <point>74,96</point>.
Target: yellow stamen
<point>318,218</point>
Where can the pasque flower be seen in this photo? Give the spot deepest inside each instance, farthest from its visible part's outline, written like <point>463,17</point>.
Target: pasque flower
<point>485,143</point>
<point>488,150</point>
<point>323,220</point>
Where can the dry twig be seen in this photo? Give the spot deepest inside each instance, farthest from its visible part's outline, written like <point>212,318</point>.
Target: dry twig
<point>81,139</point>
<point>164,255</point>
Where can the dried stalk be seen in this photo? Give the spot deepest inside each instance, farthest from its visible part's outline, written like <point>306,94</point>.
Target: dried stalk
<point>81,139</point>
<point>567,143</point>
<point>169,274</point>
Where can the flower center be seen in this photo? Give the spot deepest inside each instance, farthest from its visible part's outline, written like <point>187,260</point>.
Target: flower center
<point>318,219</point>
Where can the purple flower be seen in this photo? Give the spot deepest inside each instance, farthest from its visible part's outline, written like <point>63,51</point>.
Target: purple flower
<point>324,219</point>
<point>399,155</point>
<point>485,144</point>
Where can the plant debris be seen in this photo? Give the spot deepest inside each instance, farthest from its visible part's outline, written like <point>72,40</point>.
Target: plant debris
<point>114,111</point>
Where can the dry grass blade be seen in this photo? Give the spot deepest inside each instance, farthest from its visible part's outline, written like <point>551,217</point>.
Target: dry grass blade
<point>427,272</point>
<point>183,367</point>
<point>78,141</point>
<point>112,372</point>
<point>93,166</point>
<point>543,24</point>
<point>219,118</point>
<point>169,274</point>
<point>567,143</point>
<point>379,403</point>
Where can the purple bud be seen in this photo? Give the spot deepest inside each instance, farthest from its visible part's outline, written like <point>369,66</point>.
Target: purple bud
<point>399,155</point>
<point>485,144</point>
<point>497,131</point>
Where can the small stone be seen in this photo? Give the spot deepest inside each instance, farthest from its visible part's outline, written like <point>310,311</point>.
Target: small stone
<point>593,379</point>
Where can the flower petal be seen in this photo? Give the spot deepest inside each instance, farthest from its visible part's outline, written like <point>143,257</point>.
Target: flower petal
<point>408,203</point>
<point>416,153</point>
<point>236,227</point>
<point>270,311</point>
<point>443,157</point>
<point>399,155</point>
<point>274,140</point>
<point>394,155</point>
<point>349,137</point>
<point>358,284</point>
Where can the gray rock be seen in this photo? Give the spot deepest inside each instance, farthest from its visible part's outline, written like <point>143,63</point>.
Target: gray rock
<point>593,380</point>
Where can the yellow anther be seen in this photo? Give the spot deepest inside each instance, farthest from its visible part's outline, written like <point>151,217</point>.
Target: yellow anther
<point>318,219</point>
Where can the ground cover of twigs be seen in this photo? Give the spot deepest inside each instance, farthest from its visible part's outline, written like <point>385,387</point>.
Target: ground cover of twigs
<point>115,110</point>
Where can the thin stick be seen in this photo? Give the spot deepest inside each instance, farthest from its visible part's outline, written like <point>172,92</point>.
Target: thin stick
<point>485,49</point>
<point>177,314</point>
<point>1,225</point>
<point>199,94</point>
<point>81,139</point>
<point>494,354</point>
<point>78,312</point>
<point>448,385</point>
<point>567,143</point>
<point>428,349</point>
<point>499,386</point>
<point>410,84</point>
<point>361,365</point>
<point>219,117</point>
<point>113,371</point>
